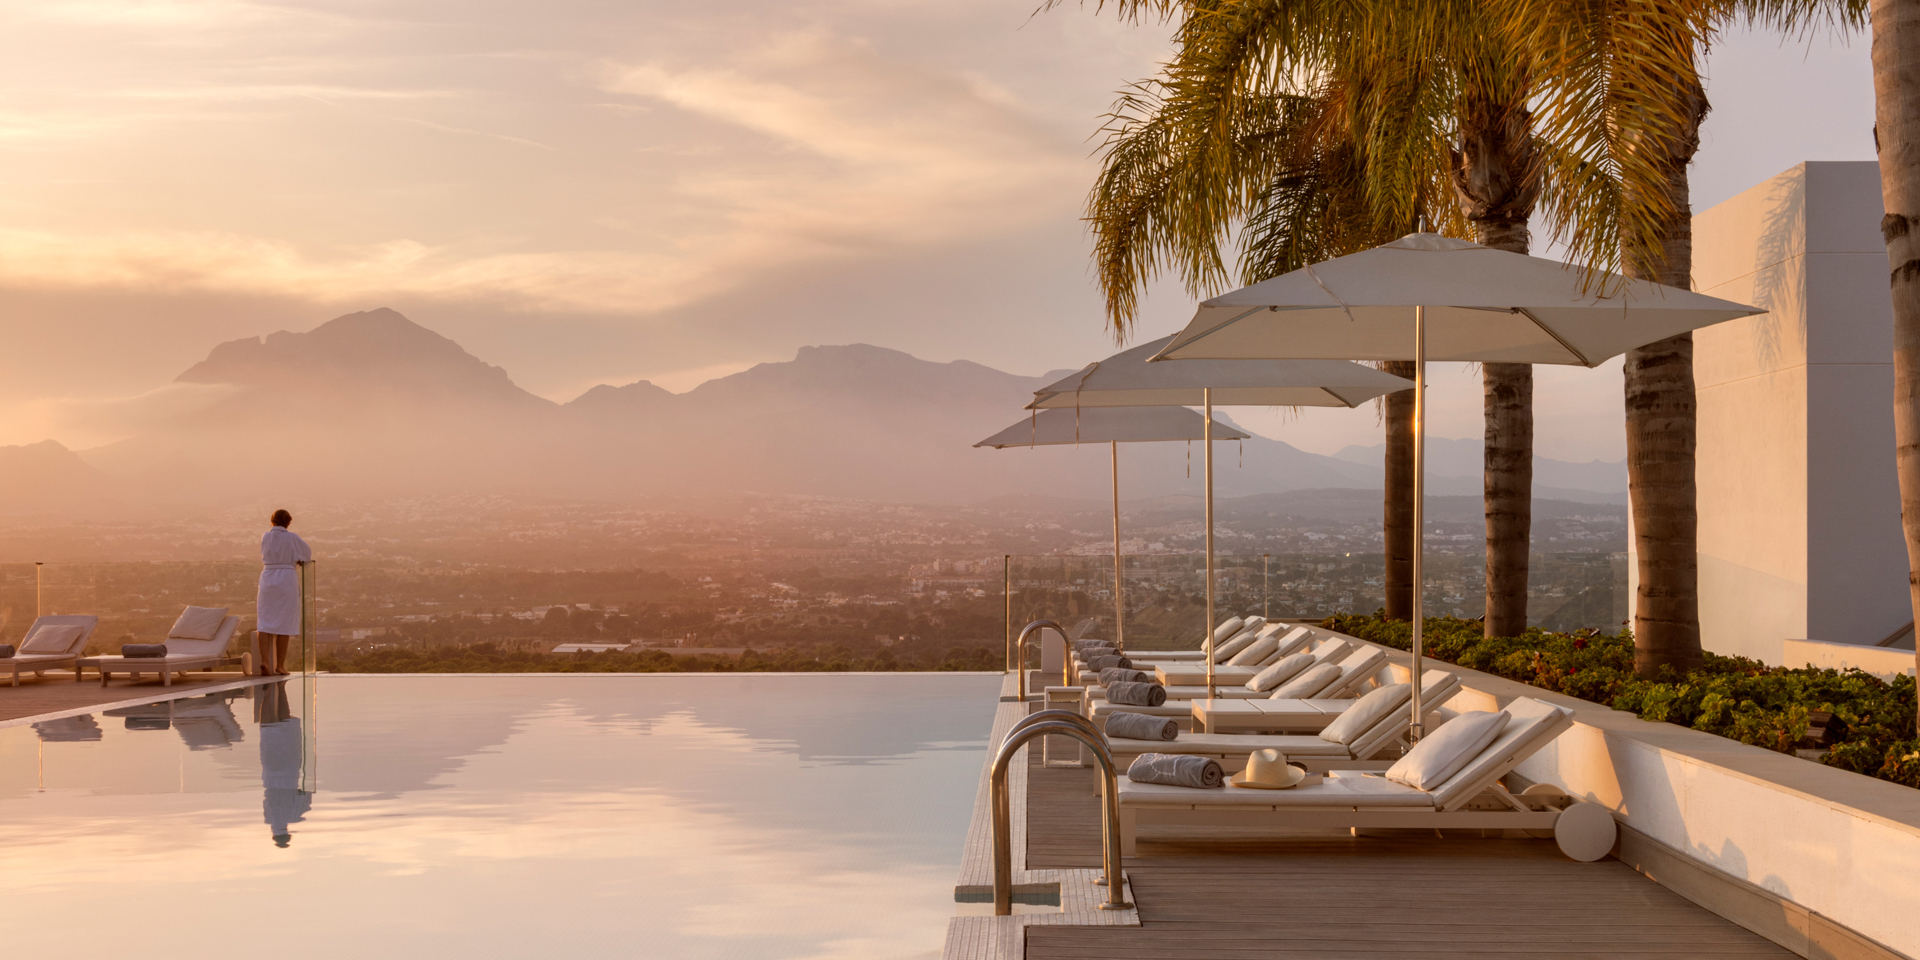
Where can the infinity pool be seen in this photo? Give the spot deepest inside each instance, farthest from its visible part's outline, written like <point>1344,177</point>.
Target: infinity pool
<point>533,816</point>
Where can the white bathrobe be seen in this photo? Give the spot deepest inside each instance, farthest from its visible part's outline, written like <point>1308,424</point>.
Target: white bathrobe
<point>279,607</point>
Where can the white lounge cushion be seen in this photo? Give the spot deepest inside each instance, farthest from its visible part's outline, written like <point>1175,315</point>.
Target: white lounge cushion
<point>1257,652</point>
<point>1309,682</point>
<point>1280,672</point>
<point>1443,752</point>
<point>1368,711</point>
<point>198,623</point>
<point>1534,723</point>
<point>1224,630</point>
<point>47,638</point>
<point>1331,649</point>
<point>1240,641</point>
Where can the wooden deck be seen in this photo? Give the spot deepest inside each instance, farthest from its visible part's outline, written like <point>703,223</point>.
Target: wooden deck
<point>1329,895</point>
<point>57,691</point>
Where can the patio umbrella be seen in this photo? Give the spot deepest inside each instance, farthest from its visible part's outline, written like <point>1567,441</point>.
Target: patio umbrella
<point>1111,427</point>
<point>1128,379</point>
<point>1425,297</point>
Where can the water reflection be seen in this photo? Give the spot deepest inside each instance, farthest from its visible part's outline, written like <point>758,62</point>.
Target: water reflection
<point>280,761</point>
<point>68,729</point>
<point>697,817</point>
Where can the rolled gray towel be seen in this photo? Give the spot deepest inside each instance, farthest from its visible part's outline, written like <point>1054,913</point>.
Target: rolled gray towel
<point>1088,653</point>
<point>1124,675</point>
<point>1177,770</point>
<point>1108,663</point>
<point>1137,694</point>
<point>1083,644</point>
<point>6,651</point>
<point>143,651</point>
<point>1139,726</point>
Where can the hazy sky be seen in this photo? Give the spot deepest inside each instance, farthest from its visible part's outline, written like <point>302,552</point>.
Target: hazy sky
<point>587,192</point>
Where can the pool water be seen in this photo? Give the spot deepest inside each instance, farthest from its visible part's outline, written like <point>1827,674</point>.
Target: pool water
<point>534,816</point>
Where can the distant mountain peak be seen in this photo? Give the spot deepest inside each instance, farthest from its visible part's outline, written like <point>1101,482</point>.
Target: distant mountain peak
<point>376,349</point>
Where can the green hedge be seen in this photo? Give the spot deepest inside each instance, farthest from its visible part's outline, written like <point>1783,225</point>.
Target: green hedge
<point>1735,697</point>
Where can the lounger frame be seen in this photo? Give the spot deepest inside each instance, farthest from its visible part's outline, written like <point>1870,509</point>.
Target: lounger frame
<point>39,663</point>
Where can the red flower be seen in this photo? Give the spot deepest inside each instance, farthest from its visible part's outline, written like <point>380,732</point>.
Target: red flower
<point>1580,643</point>
<point>1572,670</point>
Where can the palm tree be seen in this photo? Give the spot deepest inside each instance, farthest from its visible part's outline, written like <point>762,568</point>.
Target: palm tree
<point>1896,136</point>
<point>1434,123</point>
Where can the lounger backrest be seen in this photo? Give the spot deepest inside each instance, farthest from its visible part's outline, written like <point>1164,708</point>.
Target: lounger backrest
<point>1292,642</point>
<point>177,647</point>
<point>1331,650</point>
<point>1534,724</point>
<point>1354,670</point>
<point>1433,683</point>
<point>85,622</point>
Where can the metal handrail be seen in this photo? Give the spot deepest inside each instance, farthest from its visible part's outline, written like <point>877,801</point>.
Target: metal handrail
<point>1003,813</point>
<point>1020,653</point>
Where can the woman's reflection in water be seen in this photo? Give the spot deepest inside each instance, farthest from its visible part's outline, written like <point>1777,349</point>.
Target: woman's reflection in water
<point>280,744</point>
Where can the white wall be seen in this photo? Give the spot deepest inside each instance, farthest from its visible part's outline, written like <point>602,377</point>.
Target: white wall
<point>1799,506</point>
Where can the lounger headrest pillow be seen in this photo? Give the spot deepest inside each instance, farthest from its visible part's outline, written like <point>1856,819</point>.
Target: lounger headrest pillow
<point>1232,648</point>
<point>198,623</point>
<point>47,638</point>
<point>1307,683</point>
<point>1228,629</point>
<point>1443,752</point>
<point>1280,672</point>
<point>1254,622</point>
<point>1368,711</point>
<point>1256,653</point>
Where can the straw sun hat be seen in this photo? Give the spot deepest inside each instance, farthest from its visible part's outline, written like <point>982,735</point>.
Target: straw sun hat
<point>1269,770</point>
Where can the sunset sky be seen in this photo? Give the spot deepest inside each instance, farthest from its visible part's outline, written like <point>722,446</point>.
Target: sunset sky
<point>588,192</point>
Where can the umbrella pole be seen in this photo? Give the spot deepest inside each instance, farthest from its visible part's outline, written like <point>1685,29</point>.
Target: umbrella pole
<point>1206,429</point>
<point>1119,601</point>
<point>1416,731</point>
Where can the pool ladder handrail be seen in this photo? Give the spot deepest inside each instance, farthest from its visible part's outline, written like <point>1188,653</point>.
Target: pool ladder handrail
<point>1020,654</point>
<point>1055,723</point>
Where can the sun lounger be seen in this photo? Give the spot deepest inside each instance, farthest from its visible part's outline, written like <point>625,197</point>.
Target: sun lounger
<point>1472,798</point>
<point>1195,674</point>
<point>182,655</point>
<point>1312,750</point>
<point>1189,682</point>
<point>1296,715</point>
<point>40,662</point>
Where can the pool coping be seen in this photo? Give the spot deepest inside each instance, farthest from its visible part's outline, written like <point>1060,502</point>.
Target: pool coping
<point>1004,938</point>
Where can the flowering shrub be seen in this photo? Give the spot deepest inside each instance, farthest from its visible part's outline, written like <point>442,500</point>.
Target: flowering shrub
<point>1734,697</point>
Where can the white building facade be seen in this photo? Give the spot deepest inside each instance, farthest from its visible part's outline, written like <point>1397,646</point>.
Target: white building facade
<point>1799,503</point>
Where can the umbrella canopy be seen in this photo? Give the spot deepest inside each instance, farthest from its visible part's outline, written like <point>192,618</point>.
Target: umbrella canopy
<point>1129,425</point>
<point>1481,305</point>
<point>1127,379</point>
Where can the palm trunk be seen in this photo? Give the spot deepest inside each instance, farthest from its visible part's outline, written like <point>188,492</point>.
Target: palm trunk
<point>1493,181</point>
<point>1399,495</point>
<point>1661,422</point>
<point>1508,490</point>
<point>1896,88</point>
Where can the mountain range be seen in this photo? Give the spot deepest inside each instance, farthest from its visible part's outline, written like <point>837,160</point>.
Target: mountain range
<point>373,405</point>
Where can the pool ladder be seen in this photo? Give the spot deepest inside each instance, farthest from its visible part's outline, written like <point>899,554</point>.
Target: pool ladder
<point>1055,723</point>
<point>1020,654</point>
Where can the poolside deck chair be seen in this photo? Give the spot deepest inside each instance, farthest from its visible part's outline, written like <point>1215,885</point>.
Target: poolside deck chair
<point>182,655</point>
<point>1189,683</point>
<point>1195,674</point>
<point>39,663</point>
<point>1291,638</point>
<point>1314,751</point>
<point>1472,798</point>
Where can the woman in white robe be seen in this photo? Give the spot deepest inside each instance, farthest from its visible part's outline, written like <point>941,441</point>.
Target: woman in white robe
<point>278,617</point>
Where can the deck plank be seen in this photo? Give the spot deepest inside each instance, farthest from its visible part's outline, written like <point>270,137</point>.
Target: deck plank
<point>1330,895</point>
